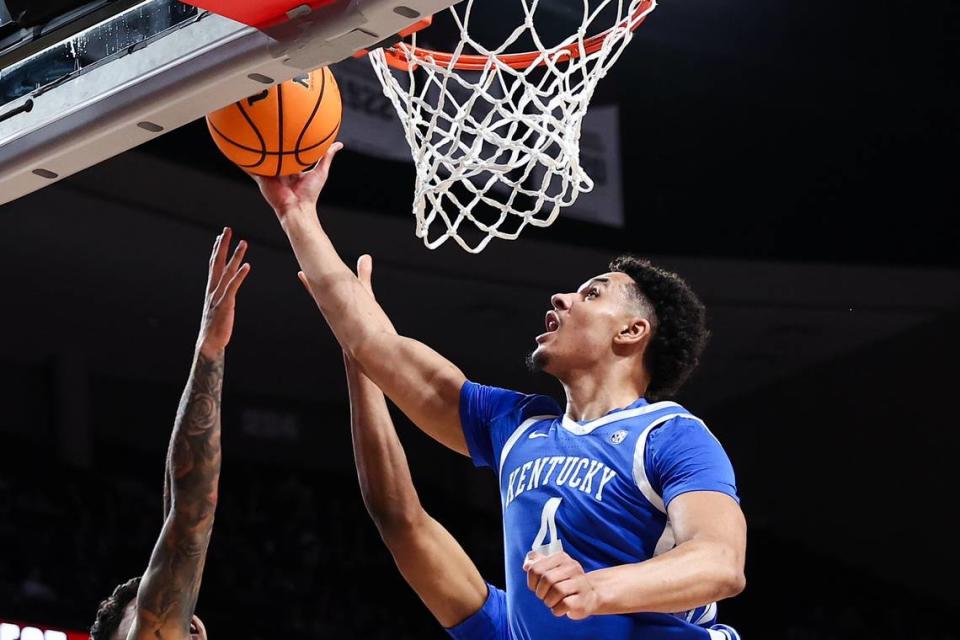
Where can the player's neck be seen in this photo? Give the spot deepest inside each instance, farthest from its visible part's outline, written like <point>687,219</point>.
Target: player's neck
<point>591,395</point>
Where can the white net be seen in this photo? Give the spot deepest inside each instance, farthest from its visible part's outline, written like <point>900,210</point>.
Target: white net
<point>497,148</point>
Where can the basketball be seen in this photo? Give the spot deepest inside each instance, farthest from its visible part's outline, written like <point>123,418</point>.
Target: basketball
<point>282,130</point>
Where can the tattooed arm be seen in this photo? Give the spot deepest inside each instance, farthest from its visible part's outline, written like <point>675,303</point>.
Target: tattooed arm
<point>169,589</point>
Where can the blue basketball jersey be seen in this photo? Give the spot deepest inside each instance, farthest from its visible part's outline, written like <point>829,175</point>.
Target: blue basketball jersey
<point>598,490</point>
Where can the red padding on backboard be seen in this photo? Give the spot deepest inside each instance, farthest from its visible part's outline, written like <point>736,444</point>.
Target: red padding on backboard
<point>256,13</point>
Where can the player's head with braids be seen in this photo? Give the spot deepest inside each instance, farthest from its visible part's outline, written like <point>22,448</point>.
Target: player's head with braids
<point>113,611</point>
<point>638,319</point>
<point>678,322</point>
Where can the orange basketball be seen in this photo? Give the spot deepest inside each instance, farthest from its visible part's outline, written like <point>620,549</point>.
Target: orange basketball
<point>281,130</point>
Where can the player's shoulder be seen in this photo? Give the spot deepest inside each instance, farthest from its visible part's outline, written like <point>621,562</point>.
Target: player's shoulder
<point>678,427</point>
<point>510,402</point>
<point>531,405</point>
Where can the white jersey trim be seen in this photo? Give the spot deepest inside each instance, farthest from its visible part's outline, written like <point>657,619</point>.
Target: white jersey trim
<point>718,635</point>
<point>516,435</point>
<point>578,429</point>
<point>708,614</point>
<point>639,464</point>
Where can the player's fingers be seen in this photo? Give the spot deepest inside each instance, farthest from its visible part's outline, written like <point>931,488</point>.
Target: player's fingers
<point>213,276</point>
<point>554,577</point>
<point>216,247</point>
<point>365,272</point>
<point>237,280</point>
<point>561,608</point>
<point>543,563</point>
<point>331,152</point>
<point>531,558</point>
<point>558,591</point>
<point>221,257</point>
<point>231,268</point>
<point>539,569</point>
<point>530,565</point>
<point>322,169</point>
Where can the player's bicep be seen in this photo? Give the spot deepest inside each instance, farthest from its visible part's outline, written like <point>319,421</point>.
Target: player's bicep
<point>435,565</point>
<point>421,382</point>
<point>168,591</point>
<point>711,517</point>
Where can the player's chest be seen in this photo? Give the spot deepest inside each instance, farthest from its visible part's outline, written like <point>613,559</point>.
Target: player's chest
<point>594,468</point>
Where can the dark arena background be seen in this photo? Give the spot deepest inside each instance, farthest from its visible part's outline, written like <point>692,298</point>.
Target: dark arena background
<point>796,161</point>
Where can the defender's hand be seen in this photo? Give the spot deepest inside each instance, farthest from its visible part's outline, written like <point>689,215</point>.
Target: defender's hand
<point>223,281</point>
<point>297,193</point>
<point>561,583</point>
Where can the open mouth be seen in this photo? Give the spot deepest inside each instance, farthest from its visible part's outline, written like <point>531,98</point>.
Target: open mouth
<point>552,321</point>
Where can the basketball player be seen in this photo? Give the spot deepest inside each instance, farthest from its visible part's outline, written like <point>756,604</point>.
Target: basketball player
<point>160,604</point>
<point>429,558</point>
<point>617,511</point>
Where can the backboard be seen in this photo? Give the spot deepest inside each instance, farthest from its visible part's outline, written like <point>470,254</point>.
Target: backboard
<point>134,70</point>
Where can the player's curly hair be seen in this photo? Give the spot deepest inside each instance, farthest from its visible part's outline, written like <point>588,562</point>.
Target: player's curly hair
<point>679,324</point>
<point>110,612</point>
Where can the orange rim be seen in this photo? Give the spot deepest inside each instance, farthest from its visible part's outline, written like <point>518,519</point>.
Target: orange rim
<point>404,57</point>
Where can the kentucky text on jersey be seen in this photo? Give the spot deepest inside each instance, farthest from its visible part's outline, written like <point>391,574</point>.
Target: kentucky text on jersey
<point>582,474</point>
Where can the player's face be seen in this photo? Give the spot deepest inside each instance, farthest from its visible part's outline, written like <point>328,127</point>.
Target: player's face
<point>582,325</point>
<point>197,630</point>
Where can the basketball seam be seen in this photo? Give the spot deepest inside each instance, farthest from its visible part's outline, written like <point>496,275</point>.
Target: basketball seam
<point>311,147</point>
<point>263,154</point>
<point>256,131</point>
<point>280,129</point>
<point>316,107</point>
<point>275,153</point>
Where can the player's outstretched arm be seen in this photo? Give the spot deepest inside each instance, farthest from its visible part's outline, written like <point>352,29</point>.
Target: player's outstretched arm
<point>169,589</point>
<point>705,566</point>
<point>420,381</point>
<point>429,558</point>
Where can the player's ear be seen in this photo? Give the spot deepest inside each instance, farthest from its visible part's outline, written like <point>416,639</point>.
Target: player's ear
<point>636,330</point>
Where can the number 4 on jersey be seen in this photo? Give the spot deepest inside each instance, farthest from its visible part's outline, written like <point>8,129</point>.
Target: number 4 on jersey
<point>548,524</point>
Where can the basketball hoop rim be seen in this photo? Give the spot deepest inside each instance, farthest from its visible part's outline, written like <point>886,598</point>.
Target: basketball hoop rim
<point>404,57</point>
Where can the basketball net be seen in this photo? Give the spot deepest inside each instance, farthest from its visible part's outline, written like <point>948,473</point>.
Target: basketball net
<point>495,135</point>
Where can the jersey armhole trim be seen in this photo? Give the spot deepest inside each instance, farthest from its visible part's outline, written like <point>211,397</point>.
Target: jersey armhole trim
<point>639,462</point>
<point>516,435</point>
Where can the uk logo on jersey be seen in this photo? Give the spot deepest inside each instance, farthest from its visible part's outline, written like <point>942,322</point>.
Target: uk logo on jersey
<point>618,437</point>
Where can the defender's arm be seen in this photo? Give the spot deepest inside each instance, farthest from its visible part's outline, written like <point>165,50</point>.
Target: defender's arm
<point>170,586</point>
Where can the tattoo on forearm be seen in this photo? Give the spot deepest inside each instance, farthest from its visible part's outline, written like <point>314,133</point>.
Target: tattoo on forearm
<point>195,453</point>
<point>172,584</point>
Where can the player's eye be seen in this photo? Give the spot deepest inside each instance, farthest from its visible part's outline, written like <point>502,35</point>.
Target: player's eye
<point>592,293</point>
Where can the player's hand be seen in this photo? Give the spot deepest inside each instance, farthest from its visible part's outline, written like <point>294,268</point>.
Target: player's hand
<point>297,193</point>
<point>562,584</point>
<point>223,281</point>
